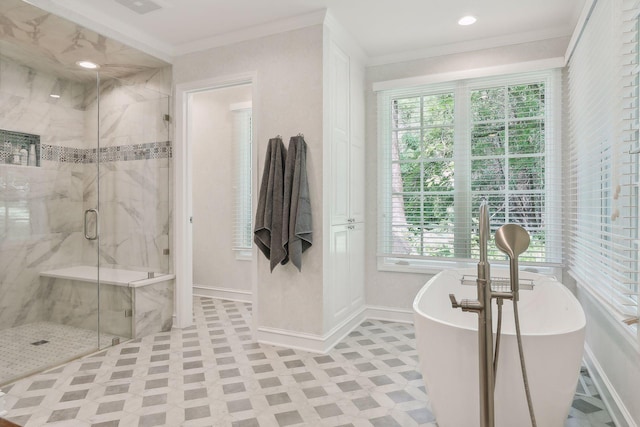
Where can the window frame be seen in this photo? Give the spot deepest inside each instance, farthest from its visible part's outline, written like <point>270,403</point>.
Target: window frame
<point>462,156</point>
<point>243,165</point>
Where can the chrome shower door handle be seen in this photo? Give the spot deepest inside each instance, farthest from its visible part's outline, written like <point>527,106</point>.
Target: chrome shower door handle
<point>86,226</point>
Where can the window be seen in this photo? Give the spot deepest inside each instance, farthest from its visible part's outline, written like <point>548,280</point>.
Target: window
<point>242,144</point>
<point>602,91</point>
<point>445,147</point>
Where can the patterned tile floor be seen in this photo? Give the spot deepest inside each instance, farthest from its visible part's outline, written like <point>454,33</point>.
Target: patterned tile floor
<point>213,374</point>
<point>19,357</point>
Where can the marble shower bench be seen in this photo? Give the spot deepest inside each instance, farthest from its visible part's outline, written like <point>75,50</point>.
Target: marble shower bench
<point>132,304</point>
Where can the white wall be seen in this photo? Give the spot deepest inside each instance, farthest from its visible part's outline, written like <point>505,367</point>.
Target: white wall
<point>617,359</point>
<point>288,101</point>
<point>398,290</point>
<point>214,261</point>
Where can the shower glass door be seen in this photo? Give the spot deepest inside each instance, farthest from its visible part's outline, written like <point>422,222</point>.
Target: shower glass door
<point>133,172</point>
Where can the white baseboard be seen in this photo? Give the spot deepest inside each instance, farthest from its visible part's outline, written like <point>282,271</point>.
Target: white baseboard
<point>612,401</point>
<point>324,343</point>
<point>389,314</point>
<point>222,293</point>
<point>312,343</point>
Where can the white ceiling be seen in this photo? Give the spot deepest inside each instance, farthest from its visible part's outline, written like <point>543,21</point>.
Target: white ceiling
<point>385,29</point>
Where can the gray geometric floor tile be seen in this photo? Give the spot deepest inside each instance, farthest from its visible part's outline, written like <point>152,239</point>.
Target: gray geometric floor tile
<point>288,418</point>
<point>251,422</point>
<point>335,372</point>
<point>422,415</point>
<point>328,410</point>
<point>349,386</point>
<point>399,396</point>
<point>278,398</point>
<point>313,392</point>
<point>197,412</point>
<point>151,420</point>
<point>584,406</point>
<point>214,374</point>
<point>381,380</point>
<point>269,382</point>
<point>366,402</point>
<point>239,405</point>
<point>63,415</point>
<point>385,421</point>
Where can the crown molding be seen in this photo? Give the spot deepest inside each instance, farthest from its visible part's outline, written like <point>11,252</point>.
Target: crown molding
<point>254,32</point>
<point>344,37</point>
<point>473,73</point>
<point>78,12</point>
<point>580,26</point>
<point>469,46</point>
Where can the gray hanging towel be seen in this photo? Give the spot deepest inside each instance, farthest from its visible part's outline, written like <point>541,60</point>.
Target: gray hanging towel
<point>268,225</point>
<point>296,216</point>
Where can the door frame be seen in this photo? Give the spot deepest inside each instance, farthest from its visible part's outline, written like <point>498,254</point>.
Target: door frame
<point>183,192</point>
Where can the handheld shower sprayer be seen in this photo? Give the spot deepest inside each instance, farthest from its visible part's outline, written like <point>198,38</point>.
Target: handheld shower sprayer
<point>513,240</point>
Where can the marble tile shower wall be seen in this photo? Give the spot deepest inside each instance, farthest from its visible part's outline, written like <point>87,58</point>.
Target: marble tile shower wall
<point>42,224</point>
<point>36,231</point>
<point>134,195</point>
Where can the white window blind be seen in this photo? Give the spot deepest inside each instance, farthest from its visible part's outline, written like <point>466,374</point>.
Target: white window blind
<point>242,143</point>
<point>602,82</point>
<point>444,147</point>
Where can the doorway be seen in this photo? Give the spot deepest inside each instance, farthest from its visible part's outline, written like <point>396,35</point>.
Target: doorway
<point>184,218</point>
<point>220,138</point>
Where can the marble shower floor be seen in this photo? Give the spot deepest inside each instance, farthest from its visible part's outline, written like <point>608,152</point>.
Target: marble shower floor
<point>20,357</point>
<point>213,374</point>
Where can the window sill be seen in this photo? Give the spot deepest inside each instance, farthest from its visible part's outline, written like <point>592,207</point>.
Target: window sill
<point>432,267</point>
<point>401,265</point>
<point>244,254</point>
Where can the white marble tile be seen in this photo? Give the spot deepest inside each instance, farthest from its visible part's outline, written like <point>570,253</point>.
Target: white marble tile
<point>153,310</point>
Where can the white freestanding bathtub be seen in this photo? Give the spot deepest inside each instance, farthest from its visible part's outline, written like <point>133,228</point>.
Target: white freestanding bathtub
<point>552,324</point>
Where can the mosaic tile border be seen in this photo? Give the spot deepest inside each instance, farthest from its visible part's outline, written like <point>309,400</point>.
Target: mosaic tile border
<point>119,153</point>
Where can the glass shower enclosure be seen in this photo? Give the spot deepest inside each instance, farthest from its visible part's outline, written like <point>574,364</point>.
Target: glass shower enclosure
<point>84,189</point>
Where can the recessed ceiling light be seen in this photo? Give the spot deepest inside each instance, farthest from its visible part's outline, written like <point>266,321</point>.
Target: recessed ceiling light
<point>54,95</point>
<point>140,6</point>
<point>467,20</point>
<point>88,65</point>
